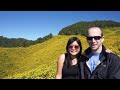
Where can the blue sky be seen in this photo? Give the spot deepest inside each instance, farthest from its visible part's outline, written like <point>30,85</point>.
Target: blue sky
<point>34,24</point>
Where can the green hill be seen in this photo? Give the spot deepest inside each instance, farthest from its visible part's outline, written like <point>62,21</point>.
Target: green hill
<point>80,28</point>
<point>39,61</point>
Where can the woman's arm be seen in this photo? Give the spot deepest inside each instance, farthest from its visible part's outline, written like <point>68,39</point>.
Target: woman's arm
<point>60,66</point>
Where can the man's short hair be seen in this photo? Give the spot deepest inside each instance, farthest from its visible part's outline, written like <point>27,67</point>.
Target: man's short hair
<point>95,27</point>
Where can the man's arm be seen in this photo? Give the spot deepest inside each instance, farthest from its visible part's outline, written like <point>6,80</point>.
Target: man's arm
<point>114,67</point>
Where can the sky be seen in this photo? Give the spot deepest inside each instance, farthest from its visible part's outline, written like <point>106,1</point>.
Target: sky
<point>32,25</point>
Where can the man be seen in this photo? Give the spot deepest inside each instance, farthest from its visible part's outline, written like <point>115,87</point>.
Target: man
<point>96,63</point>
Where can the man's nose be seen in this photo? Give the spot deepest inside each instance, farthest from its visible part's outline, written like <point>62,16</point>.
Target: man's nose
<point>93,40</point>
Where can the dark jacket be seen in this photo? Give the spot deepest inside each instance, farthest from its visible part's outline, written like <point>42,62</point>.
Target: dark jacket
<point>109,68</point>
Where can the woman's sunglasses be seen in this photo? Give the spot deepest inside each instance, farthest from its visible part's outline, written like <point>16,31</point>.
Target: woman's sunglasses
<point>95,37</point>
<point>76,47</point>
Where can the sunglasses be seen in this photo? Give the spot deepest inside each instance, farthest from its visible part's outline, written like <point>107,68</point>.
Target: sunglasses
<point>95,37</point>
<point>76,47</point>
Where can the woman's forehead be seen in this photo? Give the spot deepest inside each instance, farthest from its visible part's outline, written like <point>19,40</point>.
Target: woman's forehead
<point>74,43</point>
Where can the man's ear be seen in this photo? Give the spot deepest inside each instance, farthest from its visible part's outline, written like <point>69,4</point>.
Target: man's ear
<point>102,38</point>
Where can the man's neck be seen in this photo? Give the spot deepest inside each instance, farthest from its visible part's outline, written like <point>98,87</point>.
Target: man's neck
<point>99,50</point>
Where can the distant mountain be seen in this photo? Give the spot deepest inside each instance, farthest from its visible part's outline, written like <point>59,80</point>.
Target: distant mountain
<point>21,42</point>
<point>81,27</point>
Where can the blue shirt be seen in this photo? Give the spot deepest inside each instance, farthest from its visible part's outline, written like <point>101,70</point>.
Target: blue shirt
<point>94,60</point>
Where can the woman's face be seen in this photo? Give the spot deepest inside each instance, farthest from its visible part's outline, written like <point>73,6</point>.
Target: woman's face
<point>74,48</point>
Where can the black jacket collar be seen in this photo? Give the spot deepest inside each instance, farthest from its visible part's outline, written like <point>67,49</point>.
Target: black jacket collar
<point>88,51</point>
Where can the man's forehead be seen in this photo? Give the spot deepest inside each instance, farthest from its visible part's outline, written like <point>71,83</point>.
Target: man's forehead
<point>94,28</point>
<point>94,32</point>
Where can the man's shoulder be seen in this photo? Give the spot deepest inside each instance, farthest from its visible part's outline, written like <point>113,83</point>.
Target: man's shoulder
<point>113,56</point>
<point>83,58</point>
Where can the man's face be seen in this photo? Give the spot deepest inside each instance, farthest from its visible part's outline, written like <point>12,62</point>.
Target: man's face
<point>95,39</point>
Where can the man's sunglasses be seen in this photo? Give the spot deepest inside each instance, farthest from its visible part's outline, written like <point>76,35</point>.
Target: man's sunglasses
<point>95,37</point>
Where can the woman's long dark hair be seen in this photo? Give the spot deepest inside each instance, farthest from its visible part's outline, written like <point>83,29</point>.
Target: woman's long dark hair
<point>67,55</point>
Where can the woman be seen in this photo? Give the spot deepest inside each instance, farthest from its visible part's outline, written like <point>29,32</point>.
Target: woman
<point>67,65</point>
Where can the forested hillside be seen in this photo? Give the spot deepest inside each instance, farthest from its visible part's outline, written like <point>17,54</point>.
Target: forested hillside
<point>21,42</point>
<point>81,27</point>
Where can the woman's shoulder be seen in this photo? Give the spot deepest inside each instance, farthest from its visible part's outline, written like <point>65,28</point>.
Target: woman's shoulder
<point>62,56</point>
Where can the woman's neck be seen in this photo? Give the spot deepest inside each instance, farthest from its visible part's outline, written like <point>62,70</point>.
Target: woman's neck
<point>73,57</point>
